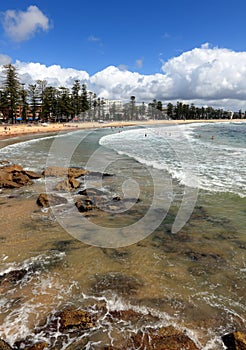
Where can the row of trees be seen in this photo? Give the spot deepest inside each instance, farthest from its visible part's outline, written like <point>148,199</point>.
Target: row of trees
<point>40,101</point>
<point>47,103</point>
<point>185,111</point>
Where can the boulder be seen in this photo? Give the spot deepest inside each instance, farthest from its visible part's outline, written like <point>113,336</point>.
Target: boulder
<point>235,341</point>
<point>56,171</point>
<point>78,319</point>
<point>13,176</point>
<point>68,184</point>
<point>46,200</point>
<point>85,204</point>
<point>164,338</point>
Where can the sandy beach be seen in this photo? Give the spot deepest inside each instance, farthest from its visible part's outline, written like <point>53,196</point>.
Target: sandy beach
<point>22,129</point>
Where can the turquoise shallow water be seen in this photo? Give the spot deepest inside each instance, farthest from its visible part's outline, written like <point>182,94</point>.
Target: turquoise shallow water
<point>193,183</point>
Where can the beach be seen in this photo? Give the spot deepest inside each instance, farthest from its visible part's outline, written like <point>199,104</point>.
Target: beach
<point>121,262</point>
<point>24,129</point>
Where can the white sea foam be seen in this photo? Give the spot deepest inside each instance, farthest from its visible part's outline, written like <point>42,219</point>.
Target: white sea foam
<point>216,165</point>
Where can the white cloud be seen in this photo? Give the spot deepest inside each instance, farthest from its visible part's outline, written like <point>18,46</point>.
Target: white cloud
<point>21,25</point>
<point>208,73</point>
<point>204,76</point>
<point>55,75</point>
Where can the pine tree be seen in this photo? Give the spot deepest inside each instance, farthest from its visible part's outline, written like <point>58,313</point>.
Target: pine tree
<point>11,90</point>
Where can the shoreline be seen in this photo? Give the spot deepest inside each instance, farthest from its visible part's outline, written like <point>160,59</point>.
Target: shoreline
<point>28,129</point>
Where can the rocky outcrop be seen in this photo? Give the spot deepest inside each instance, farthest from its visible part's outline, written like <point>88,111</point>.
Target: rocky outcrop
<point>68,184</point>
<point>164,338</point>
<point>46,200</point>
<point>56,171</point>
<point>77,328</point>
<point>75,319</point>
<point>14,176</point>
<point>235,341</point>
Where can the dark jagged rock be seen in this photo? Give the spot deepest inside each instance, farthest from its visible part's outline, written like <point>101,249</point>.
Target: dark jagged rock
<point>197,256</point>
<point>85,205</point>
<point>12,277</point>
<point>91,192</point>
<point>235,341</point>
<point>46,200</point>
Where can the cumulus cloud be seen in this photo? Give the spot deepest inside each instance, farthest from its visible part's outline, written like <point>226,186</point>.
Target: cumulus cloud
<point>55,75</point>
<point>204,76</point>
<point>207,73</point>
<point>21,25</point>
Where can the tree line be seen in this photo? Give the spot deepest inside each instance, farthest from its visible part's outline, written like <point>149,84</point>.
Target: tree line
<point>42,102</point>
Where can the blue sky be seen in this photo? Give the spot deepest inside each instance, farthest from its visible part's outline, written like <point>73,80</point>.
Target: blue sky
<point>103,38</point>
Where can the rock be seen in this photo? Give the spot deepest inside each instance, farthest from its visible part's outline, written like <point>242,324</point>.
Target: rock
<point>4,345</point>
<point>235,341</point>
<point>63,186</point>
<point>13,176</point>
<point>32,175</point>
<point>12,168</point>
<point>9,184</point>
<point>126,315</point>
<point>12,277</point>
<point>85,205</point>
<point>46,200</point>
<point>37,346</point>
<point>22,179</point>
<point>164,338</point>
<point>91,192</point>
<point>68,184</point>
<point>60,172</point>
<point>119,283</point>
<point>79,319</point>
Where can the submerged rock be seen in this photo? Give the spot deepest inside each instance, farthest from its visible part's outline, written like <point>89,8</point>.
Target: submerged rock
<point>79,319</point>
<point>11,278</point>
<point>119,283</point>
<point>85,205</point>
<point>164,338</point>
<point>46,200</point>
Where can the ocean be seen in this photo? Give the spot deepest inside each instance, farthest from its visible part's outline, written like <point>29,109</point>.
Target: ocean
<point>175,251</point>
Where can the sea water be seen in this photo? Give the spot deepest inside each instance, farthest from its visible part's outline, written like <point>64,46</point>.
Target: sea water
<point>189,267</point>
